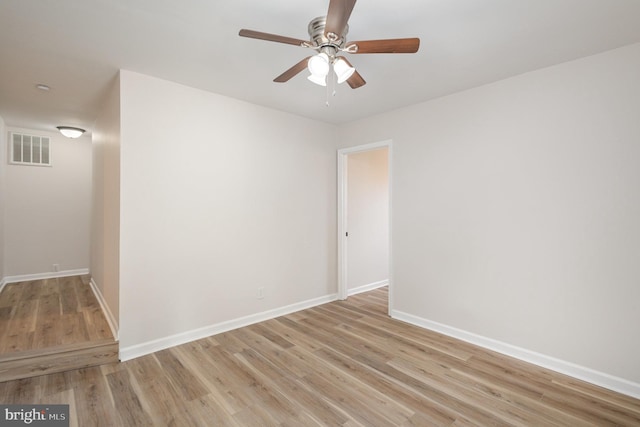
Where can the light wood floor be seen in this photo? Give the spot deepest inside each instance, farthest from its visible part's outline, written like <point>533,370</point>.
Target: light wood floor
<point>340,364</point>
<point>52,312</point>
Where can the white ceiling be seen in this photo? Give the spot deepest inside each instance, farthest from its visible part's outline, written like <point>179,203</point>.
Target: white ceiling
<point>77,46</point>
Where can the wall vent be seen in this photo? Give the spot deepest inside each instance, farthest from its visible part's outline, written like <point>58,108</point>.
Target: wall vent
<point>30,149</point>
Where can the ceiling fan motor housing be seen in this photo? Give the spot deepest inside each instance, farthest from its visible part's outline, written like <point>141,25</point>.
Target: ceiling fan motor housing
<point>316,32</point>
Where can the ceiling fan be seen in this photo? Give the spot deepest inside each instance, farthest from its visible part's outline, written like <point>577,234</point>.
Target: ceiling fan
<point>328,36</point>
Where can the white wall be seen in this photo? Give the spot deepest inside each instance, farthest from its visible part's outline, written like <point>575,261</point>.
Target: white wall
<point>218,199</point>
<point>105,203</point>
<point>367,218</point>
<point>48,209</point>
<point>3,170</point>
<point>515,210</point>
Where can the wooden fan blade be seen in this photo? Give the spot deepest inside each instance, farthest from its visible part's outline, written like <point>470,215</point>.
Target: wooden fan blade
<point>291,72</point>
<point>387,46</point>
<point>356,80</point>
<point>338,16</point>
<point>271,37</point>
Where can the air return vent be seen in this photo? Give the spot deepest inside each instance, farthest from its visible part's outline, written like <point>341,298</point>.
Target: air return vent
<point>30,149</point>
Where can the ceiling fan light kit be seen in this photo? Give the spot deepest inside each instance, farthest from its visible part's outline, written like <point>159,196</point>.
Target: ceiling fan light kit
<point>328,37</point>
<point>343,70</point>
<point>319,65</point>
<point>319,80</point>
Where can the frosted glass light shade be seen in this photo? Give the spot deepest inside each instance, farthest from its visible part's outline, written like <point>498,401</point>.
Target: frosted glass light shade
<point>343,70</point>
<point>319,65</point>
<point>319,80</point>
<point>70,132</point>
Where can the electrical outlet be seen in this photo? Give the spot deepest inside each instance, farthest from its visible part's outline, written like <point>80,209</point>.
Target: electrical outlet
<point>260,293</point>
<point>56,267</point>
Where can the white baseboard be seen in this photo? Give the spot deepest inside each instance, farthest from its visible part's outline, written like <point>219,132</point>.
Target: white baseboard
<point>42,276</point>
<point>601,379</point>
<point>111,320</point>
<point>3,282</point>
<point>367,288</point>
<point>143,349</point>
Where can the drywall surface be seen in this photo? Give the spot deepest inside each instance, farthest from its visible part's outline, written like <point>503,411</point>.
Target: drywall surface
<point>105,202</point>
<point>47,209</point>
<point>221,202</point>
<point>3,171</point>
<point>516,206</point>
<point>367,218</point>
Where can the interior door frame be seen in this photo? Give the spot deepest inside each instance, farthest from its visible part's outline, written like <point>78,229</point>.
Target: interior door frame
<point>343,291</point>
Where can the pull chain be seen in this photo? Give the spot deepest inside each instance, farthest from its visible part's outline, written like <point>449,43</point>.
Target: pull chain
<point>331,84</point>
<point>326,102</point>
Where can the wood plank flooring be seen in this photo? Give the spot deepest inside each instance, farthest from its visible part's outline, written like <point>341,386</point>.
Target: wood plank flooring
<point>52,325</point>
<point>50,312</point>
<point>340,364</point>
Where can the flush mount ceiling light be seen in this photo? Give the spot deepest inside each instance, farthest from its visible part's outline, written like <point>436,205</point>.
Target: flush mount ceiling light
<point>70,132</point>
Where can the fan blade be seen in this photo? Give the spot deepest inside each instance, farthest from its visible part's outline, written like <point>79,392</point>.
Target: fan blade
<point>291,72</point>
<point>387,46</point>
<point>271,37</point>
<point>356,80</point>
<point>338,16</point>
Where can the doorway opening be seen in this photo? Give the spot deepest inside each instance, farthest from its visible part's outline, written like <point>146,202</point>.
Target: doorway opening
<point>364,219</point>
